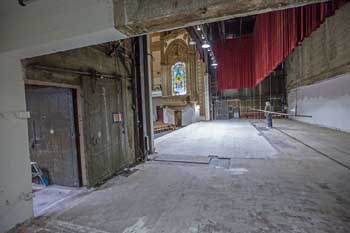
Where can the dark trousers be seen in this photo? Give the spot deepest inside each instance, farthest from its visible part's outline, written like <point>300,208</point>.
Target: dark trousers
<point>269,120</point>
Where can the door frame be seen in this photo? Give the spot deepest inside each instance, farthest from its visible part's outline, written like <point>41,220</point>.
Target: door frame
<point>79,124</point>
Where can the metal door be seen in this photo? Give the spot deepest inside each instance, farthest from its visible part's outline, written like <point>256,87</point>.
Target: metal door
<point>52,137</point>
<point>102,98</point>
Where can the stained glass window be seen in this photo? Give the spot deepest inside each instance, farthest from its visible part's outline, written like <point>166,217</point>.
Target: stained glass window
<point>178,72</point>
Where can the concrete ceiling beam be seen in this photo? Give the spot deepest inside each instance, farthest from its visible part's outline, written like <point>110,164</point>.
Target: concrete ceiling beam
<point>144,16</point>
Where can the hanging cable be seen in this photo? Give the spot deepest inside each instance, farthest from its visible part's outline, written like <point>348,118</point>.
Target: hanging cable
<point>260,105</point>
<point>270,88</point>
<point>254,102</point>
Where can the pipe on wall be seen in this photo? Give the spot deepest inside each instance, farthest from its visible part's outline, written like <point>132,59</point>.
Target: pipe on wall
<point>77,72</point>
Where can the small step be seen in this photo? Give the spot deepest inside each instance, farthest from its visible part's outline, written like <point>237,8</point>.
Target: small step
<point>182,158</point>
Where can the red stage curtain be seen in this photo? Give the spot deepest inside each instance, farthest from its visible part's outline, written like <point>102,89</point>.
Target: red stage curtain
<point>246,61</point>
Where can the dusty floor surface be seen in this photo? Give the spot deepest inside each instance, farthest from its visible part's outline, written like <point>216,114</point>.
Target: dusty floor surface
<point>230,139</point>
<point>48,199</point>
<point>283,180</point>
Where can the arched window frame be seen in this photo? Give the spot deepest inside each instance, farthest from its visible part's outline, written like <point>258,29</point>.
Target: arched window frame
<point>175,90</point>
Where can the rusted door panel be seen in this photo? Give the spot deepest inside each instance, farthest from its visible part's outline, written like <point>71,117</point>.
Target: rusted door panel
<point>104,138</point>
<point>51,130</point>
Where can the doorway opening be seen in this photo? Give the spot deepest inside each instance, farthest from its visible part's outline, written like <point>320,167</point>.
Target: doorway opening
<point>54,145</point>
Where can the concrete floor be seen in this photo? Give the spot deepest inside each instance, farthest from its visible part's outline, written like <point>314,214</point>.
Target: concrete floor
<point>47,200</point>
<point>285,185</point>
<point>229,139</point>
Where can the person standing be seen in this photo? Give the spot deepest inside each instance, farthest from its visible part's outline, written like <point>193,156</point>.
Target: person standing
<point>268,115</point>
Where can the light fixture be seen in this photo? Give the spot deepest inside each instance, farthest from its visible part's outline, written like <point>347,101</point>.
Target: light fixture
<point>214,64</point>
<point>192,42</point>
<point>205,45</point>
<point>198,28</point>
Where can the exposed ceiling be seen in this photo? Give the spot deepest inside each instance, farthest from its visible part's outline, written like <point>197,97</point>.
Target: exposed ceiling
<point>231,28</point>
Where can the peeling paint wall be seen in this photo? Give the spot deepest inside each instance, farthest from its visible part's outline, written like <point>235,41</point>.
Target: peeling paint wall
<point>109,146</point>
<point>318,82</point>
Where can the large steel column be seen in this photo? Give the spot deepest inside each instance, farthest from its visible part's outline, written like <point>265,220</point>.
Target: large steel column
<point>145,94</point>
<point>148,97</point>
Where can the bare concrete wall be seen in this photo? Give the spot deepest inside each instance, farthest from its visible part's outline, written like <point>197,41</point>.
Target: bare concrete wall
<point>140,16</point>
<point>49,26</point>
<point>15,173</point>
<point>109,146</point>
<point>325,55</point>
<point>328,102</point>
